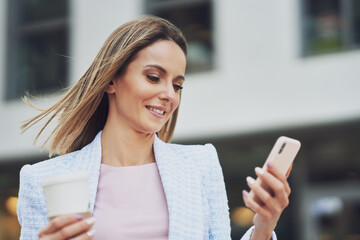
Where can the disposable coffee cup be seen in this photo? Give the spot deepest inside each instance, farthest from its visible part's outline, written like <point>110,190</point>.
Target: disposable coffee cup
<point>66,194</point>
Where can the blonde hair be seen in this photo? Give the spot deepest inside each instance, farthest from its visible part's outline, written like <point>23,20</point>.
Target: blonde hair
<point>82,111</point>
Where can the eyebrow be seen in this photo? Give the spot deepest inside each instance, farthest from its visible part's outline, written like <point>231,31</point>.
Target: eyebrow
<point>161,69</point>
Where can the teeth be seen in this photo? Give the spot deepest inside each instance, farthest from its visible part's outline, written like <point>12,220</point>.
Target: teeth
<point>156,110</point>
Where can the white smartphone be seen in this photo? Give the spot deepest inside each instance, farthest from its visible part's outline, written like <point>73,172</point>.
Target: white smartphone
<point>281,157</point>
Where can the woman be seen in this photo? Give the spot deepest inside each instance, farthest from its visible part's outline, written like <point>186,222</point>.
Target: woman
<point>115,123</point>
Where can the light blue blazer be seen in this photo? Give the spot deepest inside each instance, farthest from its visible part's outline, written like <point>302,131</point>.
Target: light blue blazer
<point>191,176</point>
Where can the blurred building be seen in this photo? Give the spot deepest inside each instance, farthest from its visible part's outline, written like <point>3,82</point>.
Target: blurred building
<point>256,70</point>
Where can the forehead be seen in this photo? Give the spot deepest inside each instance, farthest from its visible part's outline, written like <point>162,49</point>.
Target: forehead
<point>164,53</point>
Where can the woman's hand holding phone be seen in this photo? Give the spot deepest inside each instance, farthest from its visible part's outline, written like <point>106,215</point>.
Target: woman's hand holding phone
<point>274,195</point>
<point>69,226</point>
<point>269,194</point>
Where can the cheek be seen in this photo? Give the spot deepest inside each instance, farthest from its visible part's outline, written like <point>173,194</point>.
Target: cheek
<point>145,95</point>
<point>176,103</point>
<point>135,92</point>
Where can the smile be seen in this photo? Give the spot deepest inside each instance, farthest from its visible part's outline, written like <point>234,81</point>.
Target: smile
<point>158,111</point>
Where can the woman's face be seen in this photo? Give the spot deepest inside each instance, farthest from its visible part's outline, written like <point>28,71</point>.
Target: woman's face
<point>146,96</point>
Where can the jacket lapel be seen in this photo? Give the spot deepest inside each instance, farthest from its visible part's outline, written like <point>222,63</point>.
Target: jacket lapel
<point>182,189</point>
<point>88,160</point>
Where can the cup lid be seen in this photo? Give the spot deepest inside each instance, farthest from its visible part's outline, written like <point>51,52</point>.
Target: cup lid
<point>65,177</point>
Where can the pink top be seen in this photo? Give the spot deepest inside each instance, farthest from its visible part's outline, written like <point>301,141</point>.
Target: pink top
<point>130,204</point>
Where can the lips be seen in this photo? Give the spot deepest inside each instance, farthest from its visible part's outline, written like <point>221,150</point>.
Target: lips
<point>158,110</point>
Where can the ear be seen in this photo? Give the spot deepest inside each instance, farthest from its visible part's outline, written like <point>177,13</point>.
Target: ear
<point>110,88</point>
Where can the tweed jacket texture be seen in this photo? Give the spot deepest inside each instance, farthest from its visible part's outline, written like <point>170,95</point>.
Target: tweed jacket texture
<point>191,176</point>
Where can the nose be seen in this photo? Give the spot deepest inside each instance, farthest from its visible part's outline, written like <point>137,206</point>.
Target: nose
<point>168,93</point>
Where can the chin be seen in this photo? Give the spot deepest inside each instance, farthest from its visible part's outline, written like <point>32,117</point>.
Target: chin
<point>151,130</point>
<point>150,127</point>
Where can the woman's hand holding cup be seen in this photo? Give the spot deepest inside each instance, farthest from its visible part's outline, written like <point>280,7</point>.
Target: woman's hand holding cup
<point>67,202</point>
<point>70,226</point>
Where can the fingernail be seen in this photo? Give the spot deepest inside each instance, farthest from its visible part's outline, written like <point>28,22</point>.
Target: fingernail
<point>259,171</point>
<point>79,217</point>
<point>244,193</point>
<point>91,232</point>
<point>269,165</point>
<point>90,221</point>
<point>250,180</point>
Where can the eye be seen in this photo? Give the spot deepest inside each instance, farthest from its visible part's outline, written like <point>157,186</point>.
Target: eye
<point>153,78</point>
<point>177,87</point>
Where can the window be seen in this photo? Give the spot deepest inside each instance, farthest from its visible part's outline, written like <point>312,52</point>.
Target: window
<point>37,45</point>
<point>330,25</point>
<point>194,18</point>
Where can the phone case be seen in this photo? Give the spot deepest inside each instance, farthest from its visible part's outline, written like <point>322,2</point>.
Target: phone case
<point>281,157</point>
<point>283,153</point>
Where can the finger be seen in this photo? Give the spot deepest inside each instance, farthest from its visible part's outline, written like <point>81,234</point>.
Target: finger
<point>287,188</point>
<point>264,196</point>
<point>258,191</point>
<point>255,207</point>
<point>276,186</point>
<point>59,222</point>
<point>85,236</point>
<point>280,176</point>
<point>77,229</point>
<point>269,181</point>
<point>276,172</point>
<point>252,195</point>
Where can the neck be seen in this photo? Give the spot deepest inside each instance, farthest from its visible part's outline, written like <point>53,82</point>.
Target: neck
<point>126,148</point>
